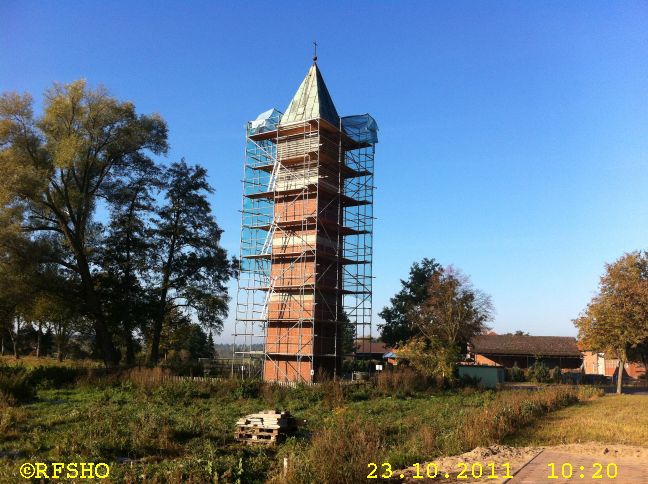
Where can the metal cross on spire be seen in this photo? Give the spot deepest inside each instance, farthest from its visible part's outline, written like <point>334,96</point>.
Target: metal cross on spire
<point>315,52</point>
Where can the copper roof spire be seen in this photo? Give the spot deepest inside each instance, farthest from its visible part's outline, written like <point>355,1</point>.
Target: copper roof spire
<point>312,100</point>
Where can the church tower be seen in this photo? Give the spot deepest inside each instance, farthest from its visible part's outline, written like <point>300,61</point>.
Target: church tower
<point>306,245</point>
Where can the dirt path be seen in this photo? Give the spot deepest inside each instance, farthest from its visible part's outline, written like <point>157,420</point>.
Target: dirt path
<point>554,465</point>
<point>530,464</point>
<point>495,455</point>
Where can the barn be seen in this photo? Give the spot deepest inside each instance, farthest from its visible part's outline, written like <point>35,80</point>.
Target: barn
<point>508,350</point>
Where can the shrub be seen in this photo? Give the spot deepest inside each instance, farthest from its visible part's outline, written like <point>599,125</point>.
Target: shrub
<point>349,366</point>
<point>468,381</point>
<point>555,375</point>
<point>152,431</point>
<point>10,418</point>
<point>333,394</point>
<point>338,453</point>
<point>53,376</point>
<point>538,372</point>
<point>184,367</point>
<point>586,392</point>
<point>358,393</point>
<point>405,381</point>
<point>511,410</point>
<point>303,396</point>
<point>143,377</point>
<point>274,395</point>
<point>248,389</point>
<point>15,387</point>
<point>173,392</point>
<point>515,373</point>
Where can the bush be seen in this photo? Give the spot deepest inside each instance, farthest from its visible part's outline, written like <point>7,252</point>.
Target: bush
<point>333,394</point>
<point>184,367</point>
<point>555,375</point>
<point>146,377</point>
<point>15,388</point>
<point>401,381</point>
<point>274,395</point>
<point>467,381</point>
<point>510,411</point>
<point>173,392</point>
<point>339,453</point>
<point>515,373</point>
<point>358,393</point>
<point>303,396</point>
<point>538,373</point>
<point>349,366</point>
<point>248,389</point>
<point>11,418</point>
<point>53,376</point>
<point>589,393</point>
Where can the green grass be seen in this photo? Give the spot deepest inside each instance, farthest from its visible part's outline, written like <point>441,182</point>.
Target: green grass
<point>614,419</point>
<point>173,427</point>
<point>183,431</point>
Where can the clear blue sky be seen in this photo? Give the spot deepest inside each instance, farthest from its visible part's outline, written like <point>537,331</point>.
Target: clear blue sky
<point>513,135</point>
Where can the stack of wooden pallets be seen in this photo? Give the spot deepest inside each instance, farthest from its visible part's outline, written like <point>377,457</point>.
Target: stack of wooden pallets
<point>267,427</point>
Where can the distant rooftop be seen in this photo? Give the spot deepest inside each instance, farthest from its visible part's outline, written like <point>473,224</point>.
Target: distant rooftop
<point>525,345</point>
<point>367,346</point>
<point>311,101</point>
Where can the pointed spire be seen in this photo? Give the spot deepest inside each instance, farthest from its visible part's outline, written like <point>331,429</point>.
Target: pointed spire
<point>312,100</point>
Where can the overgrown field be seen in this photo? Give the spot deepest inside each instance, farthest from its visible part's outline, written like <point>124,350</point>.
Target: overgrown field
<point>33,361</point>
<point>150,431</point>
<point>615,419</point>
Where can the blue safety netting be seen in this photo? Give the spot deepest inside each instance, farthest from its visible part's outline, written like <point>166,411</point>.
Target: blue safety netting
<point>361,127</point>
<point>266,121</point>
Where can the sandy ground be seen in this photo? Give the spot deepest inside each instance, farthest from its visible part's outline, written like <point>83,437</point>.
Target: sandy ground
<point>612,451</point>
<point>516,457</point>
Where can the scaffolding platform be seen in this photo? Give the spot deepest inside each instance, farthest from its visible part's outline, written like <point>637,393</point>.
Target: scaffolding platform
<point>305,274</point>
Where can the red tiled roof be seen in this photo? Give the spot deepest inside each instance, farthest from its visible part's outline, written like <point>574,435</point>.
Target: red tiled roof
<point>373,347</point>
<point>525,345</point>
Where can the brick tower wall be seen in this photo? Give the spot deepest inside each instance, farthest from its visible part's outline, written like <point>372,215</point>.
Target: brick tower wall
<point>304,309</point>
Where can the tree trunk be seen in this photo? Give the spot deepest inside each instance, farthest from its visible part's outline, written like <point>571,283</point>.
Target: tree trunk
<point>14,339</point>
<point>102,333</point>
<point>129,280</point>
<point>104,338</point>
<point>154,356</point>
<point>2,349</point>
<point>39,339</point>
<point>619,388</point>
<point>166,278</point>
<point>93,304</point>
<point>161,312</point>
<point>130,347</point>
<point>59,348</point>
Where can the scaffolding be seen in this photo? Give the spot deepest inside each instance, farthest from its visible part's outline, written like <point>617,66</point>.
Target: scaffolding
<point>305,280</point>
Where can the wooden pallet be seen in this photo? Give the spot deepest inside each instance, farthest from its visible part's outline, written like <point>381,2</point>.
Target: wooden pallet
<point>260,437</point>
<point>267,427</point>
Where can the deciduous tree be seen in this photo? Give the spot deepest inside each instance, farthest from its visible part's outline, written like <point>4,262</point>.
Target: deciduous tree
<point>191,265</point>
<point>452,312</point>
<point>58,166</point>
<point>127,253</point>
<point>397,327</point>
<point>616,319</point>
